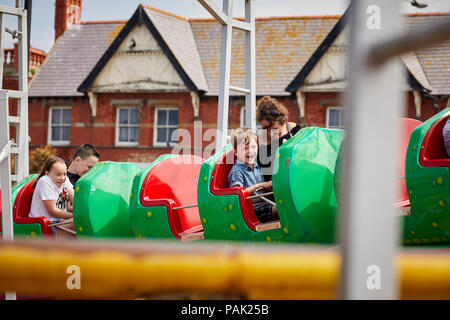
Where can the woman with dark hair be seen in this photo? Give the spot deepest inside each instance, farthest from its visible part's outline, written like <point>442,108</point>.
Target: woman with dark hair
<point>276,130</point>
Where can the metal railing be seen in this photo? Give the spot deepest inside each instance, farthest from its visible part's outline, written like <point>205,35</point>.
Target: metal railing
<point>368,224</point>
<point>18,146</point>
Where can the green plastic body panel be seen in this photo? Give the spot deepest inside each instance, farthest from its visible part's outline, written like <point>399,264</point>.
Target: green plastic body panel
<point>29,230</point>
<point>303,184</point>
<point>101,202</point>
<point>429,194</point>
<point>148,222</point>
<point>221,215</point>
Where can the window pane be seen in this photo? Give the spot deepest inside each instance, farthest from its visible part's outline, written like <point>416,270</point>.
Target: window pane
<point>56,116</point>
<point>162,117</point>
<point>65,133</point>
<point>333,119</point>
<point>66,116</point>
<point>243,114</point>
<point>173,135</point>
<point>123,134</point>
<point>134,134</point>
<point>173,117</point>
<point>123,116</point>
<point>161,135</point>
<point>133,116</point>
<point>56,132</point>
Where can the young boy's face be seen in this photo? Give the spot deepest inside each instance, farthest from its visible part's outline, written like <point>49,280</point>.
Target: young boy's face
<point>247,152</point>
<point>82,166</point>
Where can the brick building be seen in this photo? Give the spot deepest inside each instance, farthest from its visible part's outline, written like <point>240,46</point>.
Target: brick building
<point>11,65</point>
<point>126,86</point>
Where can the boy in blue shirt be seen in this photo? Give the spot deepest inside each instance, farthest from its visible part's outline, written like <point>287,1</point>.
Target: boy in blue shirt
<point>246,173</point>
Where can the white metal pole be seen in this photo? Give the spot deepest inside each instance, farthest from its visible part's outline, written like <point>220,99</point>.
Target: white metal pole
<point>5,171</point>
<point>22,166</point>
<point>2,46</point>
<point>224,81</point>
<point>250,65</point>
<point>368,228</point>
<point>5,182</point>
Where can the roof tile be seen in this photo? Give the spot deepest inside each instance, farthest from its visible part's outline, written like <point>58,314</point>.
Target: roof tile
<point>283,46</point>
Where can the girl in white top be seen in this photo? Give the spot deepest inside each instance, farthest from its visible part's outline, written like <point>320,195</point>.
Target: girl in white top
<point>53,192</point>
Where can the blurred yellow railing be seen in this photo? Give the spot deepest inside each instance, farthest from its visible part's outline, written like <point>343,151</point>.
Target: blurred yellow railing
<point>141,268</point>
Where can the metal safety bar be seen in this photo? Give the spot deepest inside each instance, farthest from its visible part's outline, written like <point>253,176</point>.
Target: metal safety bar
<point>186,206</point>
<point>268,201</point>
<point>60,223</point>
<point>259,195</point>
<point>247,198</point>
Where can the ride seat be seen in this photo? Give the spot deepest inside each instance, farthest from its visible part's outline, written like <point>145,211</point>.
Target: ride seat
<point>22,206</point>
<point>432,152</point>
<point>219,187</point>
<point>173,183</point>
<point>407,126</point>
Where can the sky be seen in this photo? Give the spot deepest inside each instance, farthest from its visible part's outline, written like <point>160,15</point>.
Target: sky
<point>43,12</point>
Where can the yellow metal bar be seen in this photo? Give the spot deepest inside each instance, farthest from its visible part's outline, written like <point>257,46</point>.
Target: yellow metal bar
<point>129,270</point>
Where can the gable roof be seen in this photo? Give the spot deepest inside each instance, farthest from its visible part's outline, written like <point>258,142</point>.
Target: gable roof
<point>180,49</point>
<point>71,59</point>
<point>297,82</point>
<point>177,34</point>
<point>283,45</point>
<point>432,78</point>
<point>434,60</point>
<point>417,78</point>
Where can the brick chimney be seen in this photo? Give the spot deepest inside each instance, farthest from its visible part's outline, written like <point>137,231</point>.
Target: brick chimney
<point>67,12</point>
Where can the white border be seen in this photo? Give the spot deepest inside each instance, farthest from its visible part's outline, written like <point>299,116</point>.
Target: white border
<point>155,128</point>
<point>340,117</point>
<point>128,143</point>
<point>49,128</point>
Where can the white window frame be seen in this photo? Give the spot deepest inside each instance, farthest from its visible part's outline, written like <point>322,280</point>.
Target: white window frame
<point>49,131</point>
<point>155,127</point>
<point>125,143</point>
<point>340,118</point>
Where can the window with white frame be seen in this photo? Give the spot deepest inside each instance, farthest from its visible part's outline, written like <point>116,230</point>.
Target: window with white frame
<point>127,126</point>
<point>166,124</point>
<point>335,117</point>
<point>59,126</point>
<point>243,119</point>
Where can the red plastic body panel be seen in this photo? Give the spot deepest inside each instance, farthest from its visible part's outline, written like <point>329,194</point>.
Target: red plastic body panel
<point>22,206</point>
<point>407,126</point>
<point>432,152</point>
<point>219,187</point>
<point>173,183</point>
